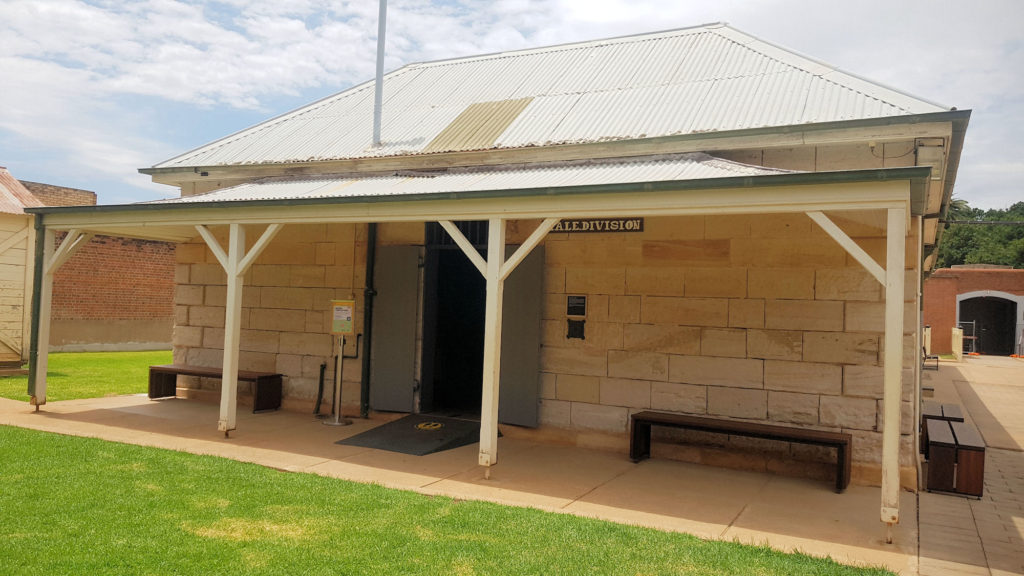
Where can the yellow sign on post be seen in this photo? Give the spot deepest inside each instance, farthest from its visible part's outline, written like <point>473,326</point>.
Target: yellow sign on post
<point>343,313</point>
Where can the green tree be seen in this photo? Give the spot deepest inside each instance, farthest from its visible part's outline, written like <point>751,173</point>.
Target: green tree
<point>968,243</point>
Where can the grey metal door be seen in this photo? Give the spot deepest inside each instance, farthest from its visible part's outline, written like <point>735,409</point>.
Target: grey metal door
<point>518,393</point>
<point>393,364</point>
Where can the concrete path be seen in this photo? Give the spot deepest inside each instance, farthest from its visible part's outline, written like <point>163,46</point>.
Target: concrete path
<point>985,536</point>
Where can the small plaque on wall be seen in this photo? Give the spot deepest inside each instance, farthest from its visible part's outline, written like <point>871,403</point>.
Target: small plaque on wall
<point>576,306</point>
<point>594,225</point>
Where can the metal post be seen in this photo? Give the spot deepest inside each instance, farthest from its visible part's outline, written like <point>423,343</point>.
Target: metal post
<point>336,401</point>
<point>41,300</point>
<point>378,89</point>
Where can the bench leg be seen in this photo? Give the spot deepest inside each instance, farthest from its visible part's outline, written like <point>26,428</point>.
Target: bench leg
<point>941,468</point>
<point>640,441</point>
<point>162,385</point>
<point>842,468</point>
<point>266,393</point>
<point>970,472</point>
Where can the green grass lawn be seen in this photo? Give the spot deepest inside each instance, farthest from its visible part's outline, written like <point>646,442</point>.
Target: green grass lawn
<point>74,375</point>
<point>73,505</point>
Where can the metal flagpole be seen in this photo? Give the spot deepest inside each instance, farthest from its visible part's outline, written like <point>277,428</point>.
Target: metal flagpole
<point>378,89</point>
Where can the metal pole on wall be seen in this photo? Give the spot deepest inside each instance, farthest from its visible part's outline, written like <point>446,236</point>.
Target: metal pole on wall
<point>378,89</point>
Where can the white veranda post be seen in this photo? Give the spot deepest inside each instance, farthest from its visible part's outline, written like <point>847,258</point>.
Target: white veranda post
<point>492,342</point>
<point>53,258</point>
<point>896,232</point>
<point>892,277</point>
<point>235,262</point>
<point>495,270</point>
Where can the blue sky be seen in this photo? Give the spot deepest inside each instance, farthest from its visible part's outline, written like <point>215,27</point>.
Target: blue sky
<point>90,91</point>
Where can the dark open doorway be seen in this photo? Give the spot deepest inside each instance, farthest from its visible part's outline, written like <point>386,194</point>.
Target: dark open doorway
<point>454,308</point>
<point>453,326</point>
<point>459,334</point>
<point>995,321</point>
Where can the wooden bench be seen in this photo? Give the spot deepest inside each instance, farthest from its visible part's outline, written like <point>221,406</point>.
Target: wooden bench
<point>956,460</point>
<point>641,423</point>
<point>934,411</point>
<point>266,389</point>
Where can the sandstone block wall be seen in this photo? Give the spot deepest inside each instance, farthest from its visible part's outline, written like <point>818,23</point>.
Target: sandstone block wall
<point>754,317</point>
<point>285,309</point>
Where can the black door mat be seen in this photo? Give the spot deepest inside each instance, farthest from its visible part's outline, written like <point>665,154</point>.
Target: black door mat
<point>418,434</point>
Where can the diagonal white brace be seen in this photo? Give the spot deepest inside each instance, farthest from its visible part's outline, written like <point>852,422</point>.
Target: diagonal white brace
<point>215,246</point>
<point>74,240</point>
<point>531,243</point>
<point>465,245</point>
<point>849,245</point>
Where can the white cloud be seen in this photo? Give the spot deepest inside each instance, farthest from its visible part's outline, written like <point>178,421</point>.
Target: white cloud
<point>75,62</point>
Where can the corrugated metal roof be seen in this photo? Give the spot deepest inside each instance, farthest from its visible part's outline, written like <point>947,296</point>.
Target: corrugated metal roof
<point>693,166</point>
<point>14,197</point>
<point>705,79</point>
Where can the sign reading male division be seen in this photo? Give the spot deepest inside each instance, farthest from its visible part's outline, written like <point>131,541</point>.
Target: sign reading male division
<point>343,313</point>
<point>600,225</point>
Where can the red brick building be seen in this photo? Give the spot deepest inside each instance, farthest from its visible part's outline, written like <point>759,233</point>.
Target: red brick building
<point>115,293</point>
<point>991,298</point>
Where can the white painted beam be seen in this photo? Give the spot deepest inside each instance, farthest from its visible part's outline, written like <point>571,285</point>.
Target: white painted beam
<point>851,247</point>
<point>492,342</point>
<point>531,242</point>
<point>214,245</point>
<point>467,247</point>
<point>73,240</point>
<point>896,233</point>
<point>762,200</point>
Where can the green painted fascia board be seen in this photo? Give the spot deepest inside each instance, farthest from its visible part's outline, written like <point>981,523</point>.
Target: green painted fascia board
<point>916,174</point>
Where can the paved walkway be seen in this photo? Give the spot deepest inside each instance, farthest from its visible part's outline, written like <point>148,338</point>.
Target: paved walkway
<point>985,536</point>
<point>957,535</point>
